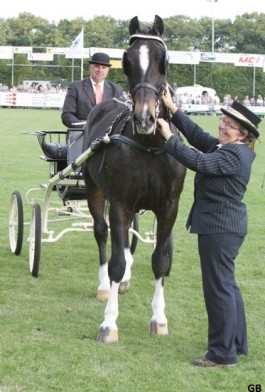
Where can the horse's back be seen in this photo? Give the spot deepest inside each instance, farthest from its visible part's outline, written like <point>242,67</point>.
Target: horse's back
<point>101,118</point>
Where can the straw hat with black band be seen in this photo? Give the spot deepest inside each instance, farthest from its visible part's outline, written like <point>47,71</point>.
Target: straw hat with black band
<point>243,116</point>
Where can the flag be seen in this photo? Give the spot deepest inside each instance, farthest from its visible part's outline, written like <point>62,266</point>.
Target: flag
<point>79,41</point>
<point>76,49</point>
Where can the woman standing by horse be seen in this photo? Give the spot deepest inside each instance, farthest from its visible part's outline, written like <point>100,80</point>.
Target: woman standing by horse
<point>219,217</point>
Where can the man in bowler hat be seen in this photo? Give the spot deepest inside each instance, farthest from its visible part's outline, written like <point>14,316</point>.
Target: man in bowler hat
<point>81,95</point>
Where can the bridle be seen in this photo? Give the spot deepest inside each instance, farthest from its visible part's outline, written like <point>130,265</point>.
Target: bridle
<point>158,91</point>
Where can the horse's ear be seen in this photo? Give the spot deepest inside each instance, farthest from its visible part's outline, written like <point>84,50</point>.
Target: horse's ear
<point>158,26</point>
<point>134,25</point>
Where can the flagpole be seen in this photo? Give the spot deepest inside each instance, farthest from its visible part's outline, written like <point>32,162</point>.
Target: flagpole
<point>82,55</point>
<point>73,68</point>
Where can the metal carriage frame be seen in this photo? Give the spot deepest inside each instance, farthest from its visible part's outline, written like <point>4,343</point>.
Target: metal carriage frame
<point>65,177</point>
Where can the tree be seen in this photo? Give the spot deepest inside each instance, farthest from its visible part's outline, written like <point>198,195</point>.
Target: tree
<point>246,34</point>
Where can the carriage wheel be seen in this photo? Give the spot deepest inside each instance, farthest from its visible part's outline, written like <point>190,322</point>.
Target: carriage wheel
<point>133,239</point>
<point>35,240</point>
<point>16,223</point>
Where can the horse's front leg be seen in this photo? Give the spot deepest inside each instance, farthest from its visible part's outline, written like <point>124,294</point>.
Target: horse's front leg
<point>108,331</point>
<point>158,323</point>
<point>161,265</point>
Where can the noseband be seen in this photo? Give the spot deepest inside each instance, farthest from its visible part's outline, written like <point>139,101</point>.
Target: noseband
<point>158,91</point>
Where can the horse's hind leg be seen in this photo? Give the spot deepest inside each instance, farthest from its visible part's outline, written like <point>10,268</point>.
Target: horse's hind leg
<point>126,280</point>
<point>104,283</point>
<point>101,236</point>
<point>158,323</point>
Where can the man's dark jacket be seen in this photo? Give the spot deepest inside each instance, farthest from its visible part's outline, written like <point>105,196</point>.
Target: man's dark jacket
<point>80,99</point>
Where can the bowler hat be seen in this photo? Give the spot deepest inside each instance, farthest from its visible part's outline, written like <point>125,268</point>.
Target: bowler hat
<point>243,116</point>
<point>101,59</point>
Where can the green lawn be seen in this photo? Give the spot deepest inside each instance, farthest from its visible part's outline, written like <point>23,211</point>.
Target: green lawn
<point>49,324</point>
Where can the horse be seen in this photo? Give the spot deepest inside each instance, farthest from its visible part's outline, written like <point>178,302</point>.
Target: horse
<point>131,170</point>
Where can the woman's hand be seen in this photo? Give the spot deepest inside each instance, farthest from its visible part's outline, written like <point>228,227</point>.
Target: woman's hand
<point>167,101</point>
<point>164,128</point>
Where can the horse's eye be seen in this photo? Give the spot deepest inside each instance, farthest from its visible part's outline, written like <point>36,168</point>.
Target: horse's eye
<point>125,63</point>
<point>163,65</point>
<point>126,68</point>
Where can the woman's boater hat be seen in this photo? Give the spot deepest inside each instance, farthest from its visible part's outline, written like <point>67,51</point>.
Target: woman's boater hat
<point>244,116</point>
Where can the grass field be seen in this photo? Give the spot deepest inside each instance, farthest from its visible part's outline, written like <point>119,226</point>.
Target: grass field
<point>49,324</point>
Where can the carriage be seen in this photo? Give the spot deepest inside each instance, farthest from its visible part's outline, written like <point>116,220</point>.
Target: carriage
<point>59,204</point>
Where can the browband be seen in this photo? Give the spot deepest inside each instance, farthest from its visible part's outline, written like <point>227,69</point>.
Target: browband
<point>154,37</point>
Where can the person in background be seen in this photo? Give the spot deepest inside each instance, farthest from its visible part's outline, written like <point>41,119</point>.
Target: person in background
<point>219,218</point>
<point>81,95</point>
<point>246,101</point>
<point>205,98</point>
<point>259,101</point>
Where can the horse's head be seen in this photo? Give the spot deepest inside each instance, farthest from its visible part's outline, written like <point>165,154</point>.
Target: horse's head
<point>145,64</point>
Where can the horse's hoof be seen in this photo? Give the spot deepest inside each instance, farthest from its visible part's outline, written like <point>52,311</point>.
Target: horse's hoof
<point>158,329</point>
<point>107,336</point>
<point>102,294</point>
<point>124,287</point>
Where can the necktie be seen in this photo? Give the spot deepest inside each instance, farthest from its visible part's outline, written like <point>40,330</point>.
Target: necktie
<point>98,93</point>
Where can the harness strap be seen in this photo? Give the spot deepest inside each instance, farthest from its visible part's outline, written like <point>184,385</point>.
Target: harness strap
<point>132,143</point>
<point>147,85</point>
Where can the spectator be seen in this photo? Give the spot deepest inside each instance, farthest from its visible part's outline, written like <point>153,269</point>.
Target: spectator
<point>216,100</point>
<point>246,101</point>
<point>205,98</point>
<point>252,101</point>
<point>259,101</point>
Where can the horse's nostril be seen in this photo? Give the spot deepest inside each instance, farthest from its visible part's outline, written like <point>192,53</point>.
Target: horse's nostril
<point>146,120</point>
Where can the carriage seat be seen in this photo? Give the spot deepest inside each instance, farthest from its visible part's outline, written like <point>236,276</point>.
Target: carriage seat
<point>75,137</point>
<point>68,150</point>
<point>53,150</point>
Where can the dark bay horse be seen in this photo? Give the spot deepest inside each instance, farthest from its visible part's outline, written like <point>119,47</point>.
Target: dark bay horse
<point>131,170</point>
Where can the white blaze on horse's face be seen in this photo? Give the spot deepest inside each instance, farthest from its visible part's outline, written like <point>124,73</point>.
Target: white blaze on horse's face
<point>144,60</point>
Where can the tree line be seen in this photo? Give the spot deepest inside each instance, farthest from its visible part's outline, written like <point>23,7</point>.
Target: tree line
<point>245,34</point>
